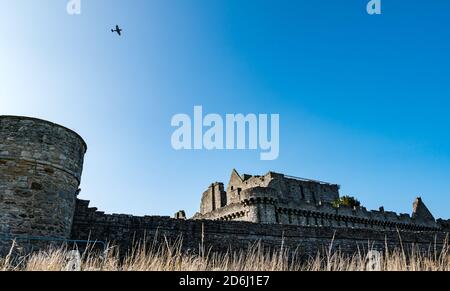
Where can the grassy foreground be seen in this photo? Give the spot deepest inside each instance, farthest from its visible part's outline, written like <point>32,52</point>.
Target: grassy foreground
<point>170,258</point>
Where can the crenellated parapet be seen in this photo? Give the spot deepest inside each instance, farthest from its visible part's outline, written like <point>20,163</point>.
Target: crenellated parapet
<point>259,195</point>
<point>281,199</point>
<point>346,219</point>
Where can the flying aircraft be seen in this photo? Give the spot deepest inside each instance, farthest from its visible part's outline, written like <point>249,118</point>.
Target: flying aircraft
<point>118,30</point>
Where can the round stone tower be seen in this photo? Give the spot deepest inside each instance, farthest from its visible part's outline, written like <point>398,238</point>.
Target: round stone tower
<point>40,170</point>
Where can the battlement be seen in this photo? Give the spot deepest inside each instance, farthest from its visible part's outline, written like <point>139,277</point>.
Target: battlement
<point>277,198</point>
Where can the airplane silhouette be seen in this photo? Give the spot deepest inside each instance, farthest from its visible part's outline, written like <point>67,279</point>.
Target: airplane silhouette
<point>118,30</point>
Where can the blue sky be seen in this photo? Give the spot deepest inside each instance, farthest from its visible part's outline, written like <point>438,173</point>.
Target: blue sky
<point>363,100</point>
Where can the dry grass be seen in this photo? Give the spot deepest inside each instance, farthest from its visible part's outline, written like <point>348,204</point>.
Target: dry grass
<point>168,257</point>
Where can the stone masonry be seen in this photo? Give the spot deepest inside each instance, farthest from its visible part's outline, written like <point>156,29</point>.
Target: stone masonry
<point>277,198</point>
<point>221,236</point>
<point>40,171</point>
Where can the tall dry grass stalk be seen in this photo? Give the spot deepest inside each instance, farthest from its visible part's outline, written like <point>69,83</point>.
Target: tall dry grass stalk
<point>170,257</point>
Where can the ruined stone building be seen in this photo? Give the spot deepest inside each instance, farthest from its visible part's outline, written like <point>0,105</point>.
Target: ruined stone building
<point>40,172</point>
<point>277,198</point>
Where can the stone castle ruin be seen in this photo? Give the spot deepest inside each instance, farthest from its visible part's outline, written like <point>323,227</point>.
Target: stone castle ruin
<point>281,199</point>
<point>40,172</point>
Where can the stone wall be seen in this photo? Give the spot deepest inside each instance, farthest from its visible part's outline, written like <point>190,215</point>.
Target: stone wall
<point>277,198</point>
<point>213,198</point>
<point>259,205</point>
<point>444,224</point>
<point>40,171</point>
<point>221,236</point>
<point>288,189</point>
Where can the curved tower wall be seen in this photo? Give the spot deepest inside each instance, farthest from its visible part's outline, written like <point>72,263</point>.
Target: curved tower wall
<point>40,171</point>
